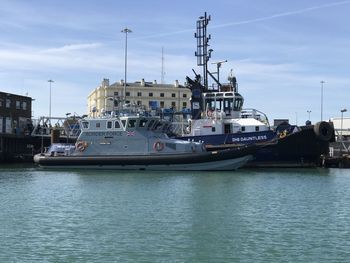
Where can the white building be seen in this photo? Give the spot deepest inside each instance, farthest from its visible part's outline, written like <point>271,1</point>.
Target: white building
<point>149,94</point>
<point>340,123</point>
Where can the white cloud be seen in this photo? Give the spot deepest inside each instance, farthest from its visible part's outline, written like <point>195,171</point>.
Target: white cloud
<point>71,47</point>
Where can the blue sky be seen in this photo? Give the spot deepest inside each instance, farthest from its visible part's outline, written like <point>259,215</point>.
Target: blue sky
<point>278,50</point>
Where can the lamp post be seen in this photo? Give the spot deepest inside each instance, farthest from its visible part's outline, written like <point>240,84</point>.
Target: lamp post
<point>341,123</point>
<point>50,81</point>
<point>308,112</point>
<point>126,31</point>
<point>322,82</point>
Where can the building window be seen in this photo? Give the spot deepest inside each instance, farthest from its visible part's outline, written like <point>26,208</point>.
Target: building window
<point>0,102</point>
<point>184,104</point>
<point>8,103</point>
<point>173,95</point>
<point>162,95</point>
<point>173,104</point>
<point>139,94</point>
<point>18,104</point>
<point>184,95</point>
<point>127,93</point>
<point>139,102</point>
<point>162,104</point>
<point>150,94</point>
<point>116,93</point>
<point>24,105</point>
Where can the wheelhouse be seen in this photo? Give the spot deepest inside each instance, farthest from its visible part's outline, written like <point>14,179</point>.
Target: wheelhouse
<point>229,103</point>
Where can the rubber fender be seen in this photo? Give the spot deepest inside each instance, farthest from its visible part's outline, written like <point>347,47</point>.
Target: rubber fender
<point>323,130</point>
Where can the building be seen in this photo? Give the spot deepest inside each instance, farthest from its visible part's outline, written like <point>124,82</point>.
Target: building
<point>148,94</point>
<point>15,113</point>
<point>341,126</point>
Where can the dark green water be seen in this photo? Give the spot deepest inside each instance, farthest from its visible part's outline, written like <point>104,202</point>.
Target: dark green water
<point>242,216</point>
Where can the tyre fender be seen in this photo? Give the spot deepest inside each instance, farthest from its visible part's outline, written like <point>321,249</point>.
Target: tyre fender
<point>323,131</point>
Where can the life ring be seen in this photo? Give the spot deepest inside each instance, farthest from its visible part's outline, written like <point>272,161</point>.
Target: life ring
<point>158,146</point>
<point>81,146</point>
<point>209,113</point>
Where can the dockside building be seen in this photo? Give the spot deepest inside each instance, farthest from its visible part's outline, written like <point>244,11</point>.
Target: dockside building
<point>15,113</point>
<point>151,95</point>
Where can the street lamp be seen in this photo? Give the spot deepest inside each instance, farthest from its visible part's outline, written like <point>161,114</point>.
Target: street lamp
<point>309,111</point>
<point>126,31</point>
<point>341,123</point>
<point>322,82</point>
<point>50,81</point>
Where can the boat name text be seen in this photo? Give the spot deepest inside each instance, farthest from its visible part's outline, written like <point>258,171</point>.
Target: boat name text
<point>111,133</point>
<point>250,138</point>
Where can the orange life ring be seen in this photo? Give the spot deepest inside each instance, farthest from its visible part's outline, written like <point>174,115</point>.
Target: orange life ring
<point>81,146</point>
<point>158,146</point>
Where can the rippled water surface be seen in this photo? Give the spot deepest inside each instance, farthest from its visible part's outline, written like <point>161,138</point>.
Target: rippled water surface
<point>242,216</point>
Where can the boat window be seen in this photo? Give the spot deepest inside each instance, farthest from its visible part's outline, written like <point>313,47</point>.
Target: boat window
<point>150,124</point>
<point>238,103</point>
<point>243,128</point>
<point>228,105</point>
<point>213,129</point>
<point>165,127</point>
<point>116,125</point>
<point>210,104</point>
<point>132,123</point>
<point>85,125</point>
<point>158,125</point>
<point>124,123</point>
<point>142,123</point>
<point>256,128</point>
<point>109,125</point>
<point>98,125</point>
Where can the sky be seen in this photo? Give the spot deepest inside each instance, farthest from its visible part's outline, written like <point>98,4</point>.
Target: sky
<point>279,51</point>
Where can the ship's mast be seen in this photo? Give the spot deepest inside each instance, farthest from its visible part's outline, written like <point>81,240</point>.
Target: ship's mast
<point>203,54</point>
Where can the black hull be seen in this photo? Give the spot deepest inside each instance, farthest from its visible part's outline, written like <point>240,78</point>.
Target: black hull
<point>300,149</point>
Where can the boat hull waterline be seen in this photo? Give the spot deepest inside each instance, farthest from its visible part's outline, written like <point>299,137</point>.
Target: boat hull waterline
<point>219,161</point>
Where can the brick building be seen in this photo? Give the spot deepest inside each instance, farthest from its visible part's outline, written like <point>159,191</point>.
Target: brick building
<point>15,113</point>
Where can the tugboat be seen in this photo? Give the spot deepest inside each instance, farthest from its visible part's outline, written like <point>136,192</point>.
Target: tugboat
<point>219,120</point>
<point>133,141</point>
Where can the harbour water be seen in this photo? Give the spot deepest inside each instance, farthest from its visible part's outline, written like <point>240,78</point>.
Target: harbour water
<point>287,215</point>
